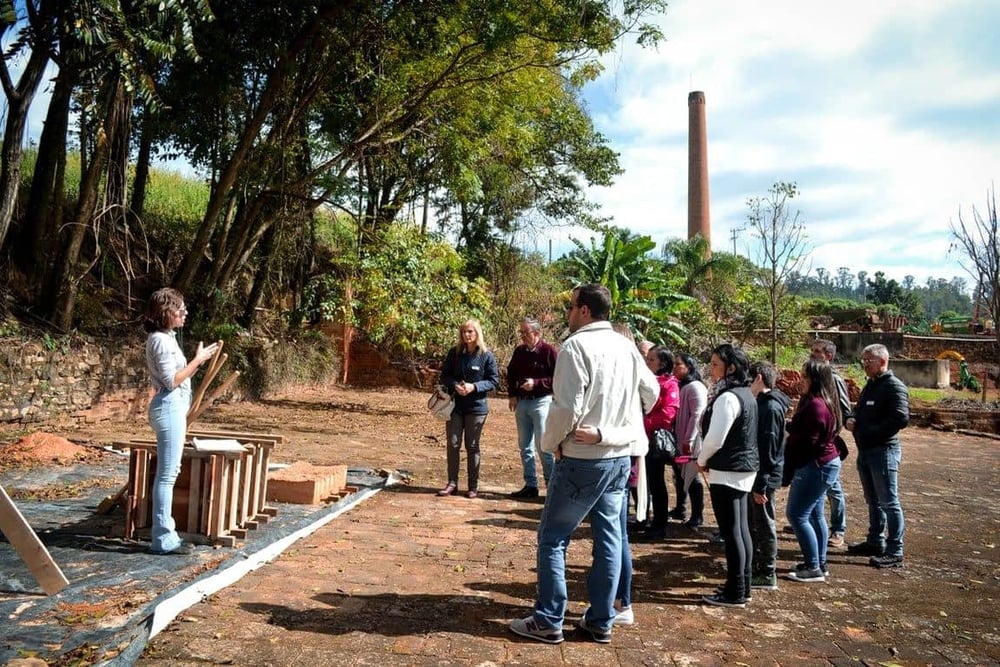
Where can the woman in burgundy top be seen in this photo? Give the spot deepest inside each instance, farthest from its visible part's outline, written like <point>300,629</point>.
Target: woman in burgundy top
<point>813,465</point>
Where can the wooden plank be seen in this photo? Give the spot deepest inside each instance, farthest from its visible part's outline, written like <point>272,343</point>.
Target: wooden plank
<point>238,435</point>
<point>215,393</point>
<point>213,367</point>
<point>217,507</point>
<point>133,495</point>
<point>233,518</point>
<point>144,477</point>
<point>248,471</point>
<point>112,501</point>
<point>29,547</point>
<point>194,495</point>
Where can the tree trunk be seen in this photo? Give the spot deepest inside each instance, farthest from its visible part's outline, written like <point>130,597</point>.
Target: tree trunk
<point>44,212</point>
<point>69,270</point>
<point>142,165</point>
<point>19,100</point>
<point>227,178</point>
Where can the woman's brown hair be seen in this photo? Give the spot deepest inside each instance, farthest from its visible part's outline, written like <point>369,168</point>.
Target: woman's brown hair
<point>162,303</point>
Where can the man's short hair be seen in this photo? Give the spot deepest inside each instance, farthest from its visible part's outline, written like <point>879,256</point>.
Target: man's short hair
<point>767,372</point>
<point>596,298</point>
<point>828,347</point>
<point>877,350</point>
<point>532,324</point>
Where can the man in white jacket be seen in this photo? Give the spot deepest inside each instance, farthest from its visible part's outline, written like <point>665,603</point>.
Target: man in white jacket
<point>600,381</point>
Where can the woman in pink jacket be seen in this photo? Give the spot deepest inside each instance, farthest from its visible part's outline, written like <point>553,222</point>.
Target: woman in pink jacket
<point>661,361</point>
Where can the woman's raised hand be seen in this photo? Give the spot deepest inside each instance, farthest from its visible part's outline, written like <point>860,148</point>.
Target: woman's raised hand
<point>206,352</point>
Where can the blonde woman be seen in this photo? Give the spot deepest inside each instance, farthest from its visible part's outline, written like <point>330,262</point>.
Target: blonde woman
<point>469,373</point>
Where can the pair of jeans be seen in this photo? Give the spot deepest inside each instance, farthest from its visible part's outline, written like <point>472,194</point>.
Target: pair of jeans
<point>529,415</point>
<point>168,417</point>
<point>578,489</point>
<point>624,593</point>
<point>679,492</point>
<point>805,509</point>
<point>732,515</point>
<point>764,536</point>
<point>878,468</point>
<point>658,494</point>
<point>471,427</point>
<point>838,508</point>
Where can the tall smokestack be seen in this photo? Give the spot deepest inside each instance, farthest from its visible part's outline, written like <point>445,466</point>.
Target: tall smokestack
<point>698,218</point>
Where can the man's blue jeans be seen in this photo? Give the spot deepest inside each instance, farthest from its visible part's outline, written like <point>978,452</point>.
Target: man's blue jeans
<point>168,417</point>
<point>624,593</point>
<point>529,415</point>
<point>805,509</point>
<point>878,469</point>
<point>838,508</point>
<point>581,488</point>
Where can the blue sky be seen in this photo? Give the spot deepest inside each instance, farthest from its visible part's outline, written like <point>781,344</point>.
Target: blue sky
<point>886,113</point>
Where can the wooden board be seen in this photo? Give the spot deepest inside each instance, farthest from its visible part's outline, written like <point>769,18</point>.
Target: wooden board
<point>29,547</point>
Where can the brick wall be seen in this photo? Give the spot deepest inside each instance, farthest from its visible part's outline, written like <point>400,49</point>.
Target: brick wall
<point>81,379</point>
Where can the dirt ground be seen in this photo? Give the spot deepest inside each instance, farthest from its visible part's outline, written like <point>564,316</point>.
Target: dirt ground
<point>941,609</point>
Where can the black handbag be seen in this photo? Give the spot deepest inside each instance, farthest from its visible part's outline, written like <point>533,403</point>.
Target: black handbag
<point>663,445</point>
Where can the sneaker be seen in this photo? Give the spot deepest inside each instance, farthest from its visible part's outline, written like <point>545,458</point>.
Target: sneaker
<point>472,493</point>
<point>448,490</point>
<point>528,627</point>
<point>886,561</point>
<point>764,582</point>
<point>622,616</point>
<point>526,492</point>
<point>716,539</point>
<point>865,549</point>
<point>720,600</point>
<point>836,540</point>
<point>695,522</point>
<point>807,576</point>
<point>599,636</point>
<point>678,513</point>
<point>822,567</point>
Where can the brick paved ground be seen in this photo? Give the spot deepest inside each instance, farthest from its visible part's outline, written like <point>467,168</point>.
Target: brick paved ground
<point>407,578</point>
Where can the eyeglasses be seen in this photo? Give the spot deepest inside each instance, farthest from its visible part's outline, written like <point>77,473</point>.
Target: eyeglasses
<point>868,360</point>
<point>571,307</point>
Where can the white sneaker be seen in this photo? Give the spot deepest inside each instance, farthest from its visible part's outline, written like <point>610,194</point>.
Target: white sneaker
<point>622,616</point>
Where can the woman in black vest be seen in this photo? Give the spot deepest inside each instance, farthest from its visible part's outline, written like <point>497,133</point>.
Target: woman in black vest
<point>729,453</point>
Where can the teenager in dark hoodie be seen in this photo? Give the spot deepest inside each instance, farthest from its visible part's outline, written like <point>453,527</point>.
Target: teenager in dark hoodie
<point>772,405</point>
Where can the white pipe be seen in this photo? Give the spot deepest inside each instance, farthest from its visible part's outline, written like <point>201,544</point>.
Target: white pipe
<point>169,609</point>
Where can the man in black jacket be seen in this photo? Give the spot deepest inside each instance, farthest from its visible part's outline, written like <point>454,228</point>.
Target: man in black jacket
<point>772,405</point>
<point>882,411</point>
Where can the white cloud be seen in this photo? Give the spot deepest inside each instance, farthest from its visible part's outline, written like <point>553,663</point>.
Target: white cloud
<point>883,112</point>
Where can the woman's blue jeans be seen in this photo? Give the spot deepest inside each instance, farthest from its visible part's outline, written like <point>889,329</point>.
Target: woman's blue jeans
<point>805,509</point>
<point>168,417</point>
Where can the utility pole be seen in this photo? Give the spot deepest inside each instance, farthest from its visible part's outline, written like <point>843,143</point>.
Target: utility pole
<point>734,234</point>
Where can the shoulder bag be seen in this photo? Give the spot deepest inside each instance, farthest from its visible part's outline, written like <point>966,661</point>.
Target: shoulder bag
<point>441,403</point>
<point>663,445</point>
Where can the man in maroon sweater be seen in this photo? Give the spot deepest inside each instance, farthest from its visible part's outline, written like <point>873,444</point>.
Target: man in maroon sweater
<point>529,385</point>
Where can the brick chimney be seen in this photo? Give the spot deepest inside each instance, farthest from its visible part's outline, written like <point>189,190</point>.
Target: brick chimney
<point>698,218</point>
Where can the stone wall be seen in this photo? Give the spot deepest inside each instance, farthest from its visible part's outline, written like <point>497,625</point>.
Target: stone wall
<point>78,378</point>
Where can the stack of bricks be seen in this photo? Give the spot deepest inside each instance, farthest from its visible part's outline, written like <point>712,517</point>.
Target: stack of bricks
<point>302,483</point>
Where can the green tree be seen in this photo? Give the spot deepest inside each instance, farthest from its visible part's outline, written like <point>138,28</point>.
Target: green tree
<point>780,250</point>
<point>640,295</point>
